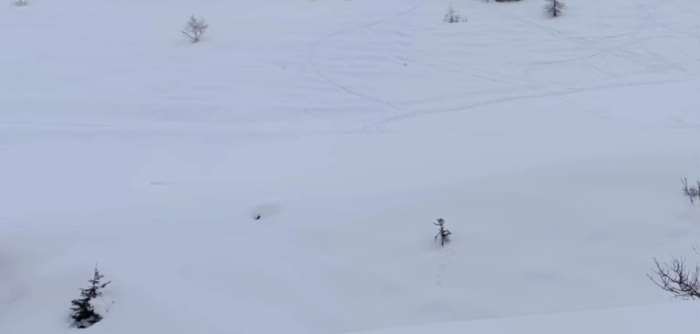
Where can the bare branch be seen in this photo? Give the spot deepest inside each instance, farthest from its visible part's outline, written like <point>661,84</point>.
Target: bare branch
<point>196,27</point>
<point>675,278</point>
<point>692,193</point>
<point>443,233</point>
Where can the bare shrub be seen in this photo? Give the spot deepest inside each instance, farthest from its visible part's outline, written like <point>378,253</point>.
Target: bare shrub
<point>195,29</point>
<point>443,234</point>
<point>453,17</point>
<point>677,279</point>
<point>692,192</point>
<point>21,3</point>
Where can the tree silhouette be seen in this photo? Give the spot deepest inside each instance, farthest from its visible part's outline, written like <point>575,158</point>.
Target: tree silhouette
<point>443,234</point>
<point>84,314</point>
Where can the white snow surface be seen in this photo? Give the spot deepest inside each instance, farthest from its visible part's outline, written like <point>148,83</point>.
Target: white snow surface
<point>553,148</point>
<point>638,320</point>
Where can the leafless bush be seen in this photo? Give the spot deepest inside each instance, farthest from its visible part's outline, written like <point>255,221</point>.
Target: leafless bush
<point>195,29</point>
<point>453,17</point>
<point>443,234</point>
<point>21,3</point>
<point>677,279</point>
<point>693,193</point>
<point>554,8</point>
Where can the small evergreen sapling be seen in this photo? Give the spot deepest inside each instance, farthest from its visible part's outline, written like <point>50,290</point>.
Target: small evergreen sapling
<point>443,234</point>
<point>83,311</point>
<point>554,8</point>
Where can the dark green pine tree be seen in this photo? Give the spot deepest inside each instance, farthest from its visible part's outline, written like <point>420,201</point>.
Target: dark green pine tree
<point>83,312</point>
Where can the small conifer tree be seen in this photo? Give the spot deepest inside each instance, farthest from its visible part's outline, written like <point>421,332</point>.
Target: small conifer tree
<point>83,311</point>
<point>554,8</point>
<point>443,234</point>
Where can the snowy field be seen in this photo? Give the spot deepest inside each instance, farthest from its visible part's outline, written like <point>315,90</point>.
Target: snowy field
<point>553,148</point>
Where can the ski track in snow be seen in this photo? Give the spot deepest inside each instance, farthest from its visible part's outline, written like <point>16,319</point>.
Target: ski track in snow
<point>348,90</point>
<point>624,48</point>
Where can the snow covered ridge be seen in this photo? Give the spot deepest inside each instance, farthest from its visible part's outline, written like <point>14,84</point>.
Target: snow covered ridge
<point>283,173</point>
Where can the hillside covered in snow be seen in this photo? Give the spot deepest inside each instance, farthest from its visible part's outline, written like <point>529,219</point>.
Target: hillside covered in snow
<point>283,174</point>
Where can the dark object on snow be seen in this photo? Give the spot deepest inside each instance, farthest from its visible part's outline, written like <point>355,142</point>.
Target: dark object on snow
<point>453,17</point>
<point>443,234</point>
<point>84,314</point>
<point>554,8</point>
<point>257,217</point>
<point>691,192</point>
<point>195,29</point>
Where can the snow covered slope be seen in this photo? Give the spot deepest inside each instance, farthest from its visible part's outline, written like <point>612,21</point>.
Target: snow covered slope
<point>553,148</point>
<point>648,319</point>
